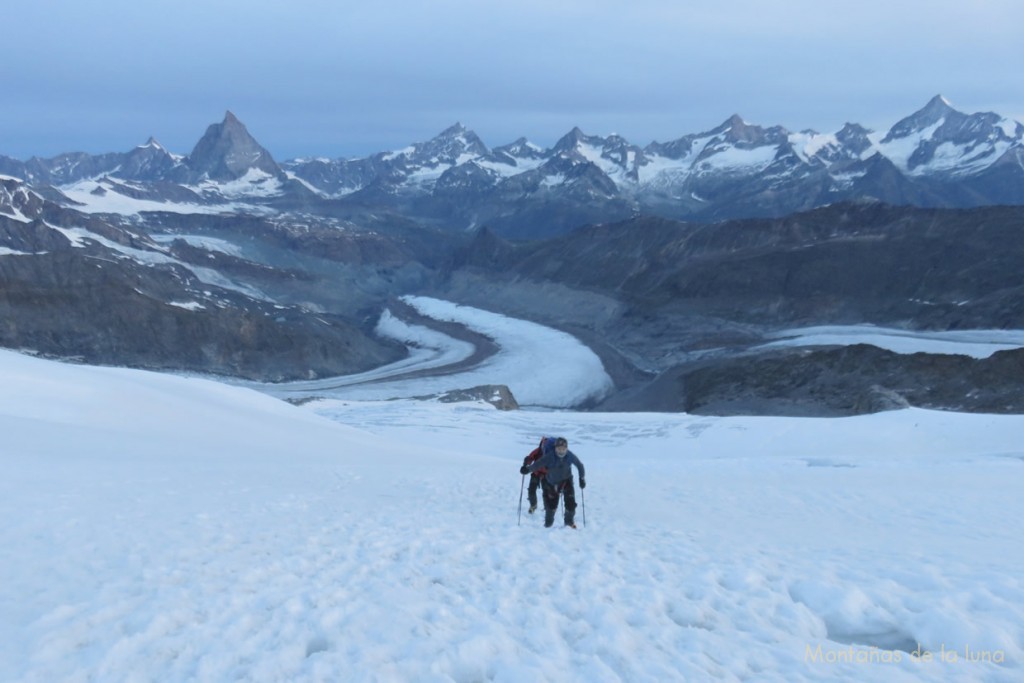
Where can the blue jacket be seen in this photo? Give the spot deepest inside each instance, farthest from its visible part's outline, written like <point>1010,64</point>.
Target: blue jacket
<point>559,469</point>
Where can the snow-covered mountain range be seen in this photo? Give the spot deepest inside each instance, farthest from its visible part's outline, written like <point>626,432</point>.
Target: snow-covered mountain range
<point>226,261</point>
<point>937,156</point>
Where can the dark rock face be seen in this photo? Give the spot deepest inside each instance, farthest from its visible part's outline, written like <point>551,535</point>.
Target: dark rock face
<point>852,380</point>
<point>99,311</point>
<point>147,162</point>
<point>849,263</point>
<point>228,152</point>
<point>83,288</point>
<point>694,299</point>
<point>16,199</point>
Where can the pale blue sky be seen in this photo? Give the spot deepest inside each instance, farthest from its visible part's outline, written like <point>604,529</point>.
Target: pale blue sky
<point>347,78</point>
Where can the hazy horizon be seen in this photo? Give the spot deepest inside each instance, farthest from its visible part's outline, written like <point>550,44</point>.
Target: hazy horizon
<point>323,79</point>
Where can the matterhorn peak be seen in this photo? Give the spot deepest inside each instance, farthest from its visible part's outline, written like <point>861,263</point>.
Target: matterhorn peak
<point>231,119</point>
<point>227,152</point>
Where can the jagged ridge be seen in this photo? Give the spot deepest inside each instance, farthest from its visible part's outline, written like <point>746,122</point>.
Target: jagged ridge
<point>936,157</point>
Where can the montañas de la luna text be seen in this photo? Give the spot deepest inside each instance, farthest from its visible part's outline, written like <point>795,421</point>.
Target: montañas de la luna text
<point>874,655</point>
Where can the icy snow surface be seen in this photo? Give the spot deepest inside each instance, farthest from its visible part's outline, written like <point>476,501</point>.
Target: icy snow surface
<point>737,159</point>
<point>160,528</point>
<point>114,202</point>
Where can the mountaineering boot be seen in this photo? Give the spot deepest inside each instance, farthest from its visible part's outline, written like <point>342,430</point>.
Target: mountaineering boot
<point>571,525</point>
<point>549,517</point>
<point>533,508</point>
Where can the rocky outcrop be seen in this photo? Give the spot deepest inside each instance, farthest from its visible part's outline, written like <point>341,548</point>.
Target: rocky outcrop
<point>77,287</point>
<point>498,395</point>
<point>846,263</point>
<point>850,380</point>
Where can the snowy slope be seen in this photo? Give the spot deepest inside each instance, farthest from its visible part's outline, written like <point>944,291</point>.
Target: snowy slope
<point>104,196</point>
<point>162,528</point>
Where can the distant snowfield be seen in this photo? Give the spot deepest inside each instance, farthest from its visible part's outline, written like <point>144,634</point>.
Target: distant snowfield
<point>974,343</point>
<point>166,528</point>
<point>112,201</point>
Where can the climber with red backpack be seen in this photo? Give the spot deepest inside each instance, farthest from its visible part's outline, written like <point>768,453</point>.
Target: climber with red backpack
<point>547,443</point>
<point>557,482</point>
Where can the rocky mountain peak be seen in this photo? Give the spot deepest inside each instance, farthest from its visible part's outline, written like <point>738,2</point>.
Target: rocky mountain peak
<point>227,152</point>
<point>735,129</point>
<point>852,130</point>
<point>736,122</point>
<point>147,162</point>
<point>854,137</point>
<point>18,201</point>
<point>571,141</point>
<point>950,142</point>
<point>937,110</point>
<point>454,130</point>
<point>938,106</point>
<point>449,146</point>
<point>521,149</point>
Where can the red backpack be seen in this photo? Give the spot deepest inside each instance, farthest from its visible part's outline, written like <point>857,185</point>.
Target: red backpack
<point>537,453</point>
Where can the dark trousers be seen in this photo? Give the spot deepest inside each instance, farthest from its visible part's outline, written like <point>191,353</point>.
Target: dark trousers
<point>531,492</point>
<point>552,492</point>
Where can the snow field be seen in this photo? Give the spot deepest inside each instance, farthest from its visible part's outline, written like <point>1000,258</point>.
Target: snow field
<point>177,529</point>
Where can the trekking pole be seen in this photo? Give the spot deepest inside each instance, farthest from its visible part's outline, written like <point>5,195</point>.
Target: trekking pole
<point>583,499</point>
<point>522,483</point>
